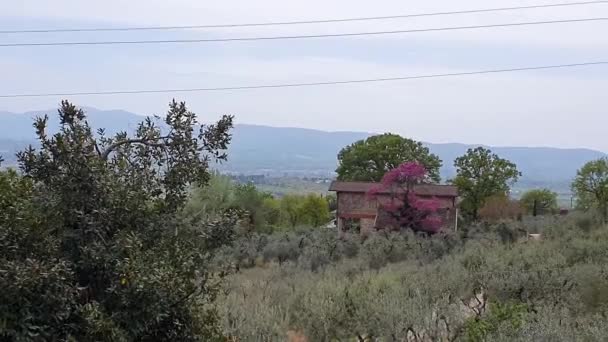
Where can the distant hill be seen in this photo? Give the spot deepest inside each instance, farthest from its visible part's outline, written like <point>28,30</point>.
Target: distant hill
<point>277,150</point>
<point>260,148</point>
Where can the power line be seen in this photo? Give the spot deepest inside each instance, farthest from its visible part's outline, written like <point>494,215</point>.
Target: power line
<point>279,23</point>
<point>211,40</point>
<point>293,85</point>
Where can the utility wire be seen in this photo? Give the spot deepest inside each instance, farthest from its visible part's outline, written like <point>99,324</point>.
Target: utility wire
<point>322,21</point>
<point>331,35</point>
<point>293,85</point>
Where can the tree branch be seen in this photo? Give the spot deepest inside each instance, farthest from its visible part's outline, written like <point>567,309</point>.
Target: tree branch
<point>97,148</point>
<point>148,142</point>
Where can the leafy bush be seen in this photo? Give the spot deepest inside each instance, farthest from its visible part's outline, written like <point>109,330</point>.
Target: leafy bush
<point>509,317</point>
<point>259,211</point>
<point>500,207</point>
<point>282,249</point>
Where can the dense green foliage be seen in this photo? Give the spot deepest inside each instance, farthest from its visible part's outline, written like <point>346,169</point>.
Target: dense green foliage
<point>591,186</point>
<point>368,160</point>
<point>484,283</point>
<point>481,174</point>
<point>258,206</point>
<point>260,211</point>
<point>91,246</point>
<point>539,201</point>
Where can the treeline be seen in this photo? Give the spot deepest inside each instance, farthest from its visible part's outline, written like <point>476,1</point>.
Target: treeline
<point>258,210</point>
<point>483,178</point>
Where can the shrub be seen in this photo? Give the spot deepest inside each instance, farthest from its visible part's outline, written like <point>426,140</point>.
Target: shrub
<point>497,208</point>
<point>349,247</point>
<point>282,249</point>
<point>507,317</point>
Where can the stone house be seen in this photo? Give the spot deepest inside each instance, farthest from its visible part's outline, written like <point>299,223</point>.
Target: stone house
<point>356,208</point>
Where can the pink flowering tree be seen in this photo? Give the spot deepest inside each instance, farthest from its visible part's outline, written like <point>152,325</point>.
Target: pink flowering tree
<point>399,206</point>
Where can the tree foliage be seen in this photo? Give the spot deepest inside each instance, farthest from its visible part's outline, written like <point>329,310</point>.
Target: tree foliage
<point>253,202</point>
<point>260,211</point>
<point>591,184</point>
<point>92,246</point>
<point>512,315</point>
<point>539,201</point>
<point>371,158</point>
<point>481,174</point>
<point>499,208</point>
<point>291,210</point>
<point>315,210</point>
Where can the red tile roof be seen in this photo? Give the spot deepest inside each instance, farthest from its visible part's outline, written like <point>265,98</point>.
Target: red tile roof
<point>422,189</point>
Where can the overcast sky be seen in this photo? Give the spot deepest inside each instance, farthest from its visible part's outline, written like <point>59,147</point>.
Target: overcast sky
<point>562,108</point>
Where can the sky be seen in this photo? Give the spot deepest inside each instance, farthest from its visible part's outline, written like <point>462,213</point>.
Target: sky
<point>558,108</point>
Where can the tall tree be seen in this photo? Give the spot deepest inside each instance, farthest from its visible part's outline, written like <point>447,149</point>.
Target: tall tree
<point>315,210</point>
<point>92,247</point>
<point>591,184</point>
<point>371,158</point>
<point>291,209</point>
<point>247,197</point>
<point>481,174</point>
<point>539,201</point>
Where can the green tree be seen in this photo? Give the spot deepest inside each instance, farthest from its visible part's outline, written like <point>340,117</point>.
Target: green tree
<point>272,210</point>
<point>91,244</point>
<point>481,174</point>
<point>261,207</point>
<point>585,202</point>
<point>369,159</point>
<point>591,184</point>
<point>314,210</point>
<point>213,199</point>
<point>539,201</point>
<point>291,209</point>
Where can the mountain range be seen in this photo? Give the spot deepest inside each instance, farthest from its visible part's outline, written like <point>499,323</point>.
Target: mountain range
<point>297,151</point>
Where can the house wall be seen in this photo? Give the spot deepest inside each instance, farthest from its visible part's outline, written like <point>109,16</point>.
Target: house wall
<point>360,206</point>
<point>356,205</point>
<point>351,203</point>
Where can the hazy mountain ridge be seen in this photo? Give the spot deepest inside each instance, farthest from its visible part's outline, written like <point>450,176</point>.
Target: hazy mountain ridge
<point>277,150</point>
